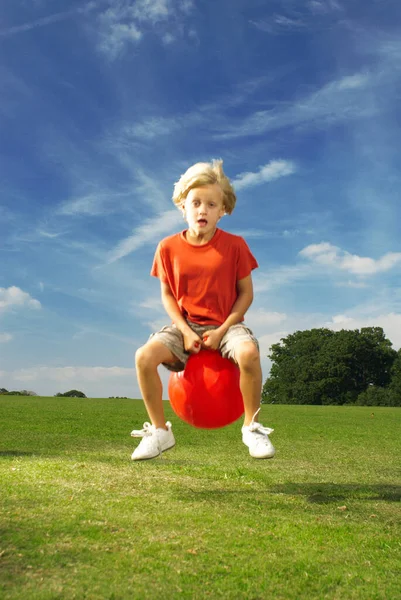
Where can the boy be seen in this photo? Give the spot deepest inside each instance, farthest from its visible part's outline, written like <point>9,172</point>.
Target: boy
<point>206,289</point>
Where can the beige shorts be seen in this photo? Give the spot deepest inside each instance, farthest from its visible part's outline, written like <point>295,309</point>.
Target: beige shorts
<point>172,337</point>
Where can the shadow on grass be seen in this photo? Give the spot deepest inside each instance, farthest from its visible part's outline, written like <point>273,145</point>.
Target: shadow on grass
<point>6,453</point>
<point>322,493</point>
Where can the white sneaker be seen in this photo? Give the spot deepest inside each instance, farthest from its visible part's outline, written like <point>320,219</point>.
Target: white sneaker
<point>256,437</point>
<point>154,442</point>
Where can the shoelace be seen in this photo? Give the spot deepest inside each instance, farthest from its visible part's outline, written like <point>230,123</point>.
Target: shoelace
<point>257,427</point>
<point>147,429</point>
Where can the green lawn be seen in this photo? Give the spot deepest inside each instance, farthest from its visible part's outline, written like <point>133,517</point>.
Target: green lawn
<point>79,519</point>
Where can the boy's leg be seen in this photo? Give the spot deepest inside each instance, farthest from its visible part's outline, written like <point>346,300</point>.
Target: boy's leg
<point>147,360</point>
<point>254,435</point>
<point>240,346</point>
<point>158,437</point>
<point>248,360</point>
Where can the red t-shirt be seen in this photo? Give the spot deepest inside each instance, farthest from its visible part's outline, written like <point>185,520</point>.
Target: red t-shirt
<point>203,279</point>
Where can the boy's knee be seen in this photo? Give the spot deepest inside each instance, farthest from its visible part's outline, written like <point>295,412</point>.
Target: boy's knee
<point>151,355</point>
<point>247,355</point>
<point>143,357</point>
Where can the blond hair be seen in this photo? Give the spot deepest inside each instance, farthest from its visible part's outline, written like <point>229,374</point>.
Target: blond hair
<point>205,174</point>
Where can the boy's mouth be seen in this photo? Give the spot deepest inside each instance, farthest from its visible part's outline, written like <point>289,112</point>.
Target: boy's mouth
<point>202,222</point>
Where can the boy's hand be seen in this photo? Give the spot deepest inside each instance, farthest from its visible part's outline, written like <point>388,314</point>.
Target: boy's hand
<point>211,339</point>
<point>192,342</point>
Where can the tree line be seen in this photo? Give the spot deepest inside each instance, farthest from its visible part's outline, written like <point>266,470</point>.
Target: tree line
<point>69,394</point>
<point>4,392</point>
<point>321,366</point>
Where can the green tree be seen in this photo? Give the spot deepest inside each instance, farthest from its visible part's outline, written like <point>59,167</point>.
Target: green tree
<point>71,394</point>
<point>320,366</point>
<point>377,358</point>
<point>374,396</point>
<point>395,385</point>
<point>5,392</point>
<point>297,372</point>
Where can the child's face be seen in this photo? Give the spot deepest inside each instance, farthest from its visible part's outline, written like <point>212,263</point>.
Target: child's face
<point>203,208</point>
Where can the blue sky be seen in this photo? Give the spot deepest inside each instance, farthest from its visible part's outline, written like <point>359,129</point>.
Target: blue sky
<point>105,103</point>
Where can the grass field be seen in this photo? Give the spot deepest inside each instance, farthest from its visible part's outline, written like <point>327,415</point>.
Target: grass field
<point>80,520</point>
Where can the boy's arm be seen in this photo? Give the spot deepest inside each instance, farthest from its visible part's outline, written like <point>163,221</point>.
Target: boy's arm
<point>212,338</point>
<point>241,305</point>
<point>172,308</point>
<point>192,341</point>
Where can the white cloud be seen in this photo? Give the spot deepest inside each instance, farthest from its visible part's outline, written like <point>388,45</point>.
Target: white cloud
<point>116,38</point>
<point>279,24</point>
<point>352,284</point>
<point>273,170</point>
<point>187,6</point>
<point>49,20</point>
<point>149,232</point>
<point>338,100</point>
<point>266,234</point>
<point>154,127</point>
<point>125,23</point>
<point>340,320</point>
<point>101,199</point>
<point>203,117</point>
<point>14,297</point>
<point>5,337</point>
<point>69,374</point>
<point>259,319</point>
<point>47,234</point>
<point>250,233</point>
<point>151,10</point>
<point>302,16</point>
<point>157,324</point>
<point>351,82</point>
<point>390,322</point>
<point>275,278</point>
<point>168,38</point>
<point>158,316</point>
<point>96,332</point>
<point>288,23</point>
<point>86,205</point>
<point>95,382</point>
<point>193,35</point>
<point>327,255</point>
<point>149,190</point>
<point>323,6</point>
<point>151,128</point>
<point>94,204</point>
<point>152,303</point>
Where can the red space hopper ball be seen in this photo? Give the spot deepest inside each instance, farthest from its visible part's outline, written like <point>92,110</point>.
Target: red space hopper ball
<point>207,393</point>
